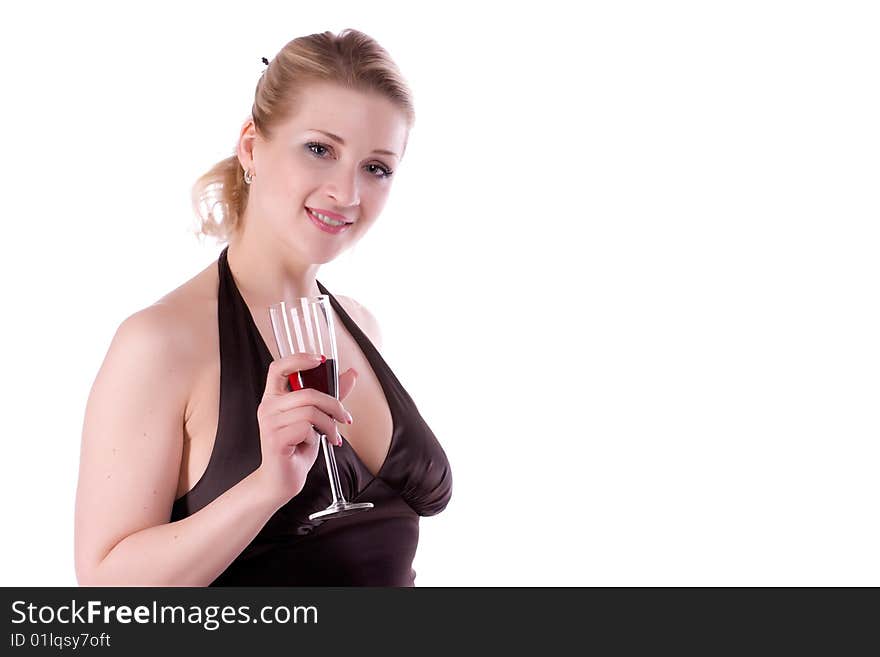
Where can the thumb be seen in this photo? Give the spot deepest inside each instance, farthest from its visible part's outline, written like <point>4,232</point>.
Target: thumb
<point>346,382</point>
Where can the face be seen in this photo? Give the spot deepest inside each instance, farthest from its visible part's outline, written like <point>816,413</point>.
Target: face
<point>344,177</point>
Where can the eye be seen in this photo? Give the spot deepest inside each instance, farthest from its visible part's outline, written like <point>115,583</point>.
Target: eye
<point>319,150</point>
<point>386,172</point>
<point>315,145</point>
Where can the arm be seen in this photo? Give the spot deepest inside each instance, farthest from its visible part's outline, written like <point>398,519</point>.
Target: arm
<point>129,465</point>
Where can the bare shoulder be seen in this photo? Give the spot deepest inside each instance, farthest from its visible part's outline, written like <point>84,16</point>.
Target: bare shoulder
<point>151,347</point>
<point>159,331</point>
<point>174,325</point>
<point>132,438</point>
<point>133,430</point>
<point>363,317</point>
<point>183,316</point>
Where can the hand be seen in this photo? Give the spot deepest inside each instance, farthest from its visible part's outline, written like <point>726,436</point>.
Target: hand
<point>288,421</point>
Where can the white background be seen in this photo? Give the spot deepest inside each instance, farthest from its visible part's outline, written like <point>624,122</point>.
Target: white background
<point>628,269</point>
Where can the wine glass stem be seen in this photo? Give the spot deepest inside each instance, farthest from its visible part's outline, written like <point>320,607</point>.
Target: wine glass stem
<point>330,459</point>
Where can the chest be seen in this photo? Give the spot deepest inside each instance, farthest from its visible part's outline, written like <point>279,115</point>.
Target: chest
<point>369,435</point>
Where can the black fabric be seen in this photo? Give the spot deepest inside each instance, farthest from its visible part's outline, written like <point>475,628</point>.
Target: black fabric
<point>371,548</point>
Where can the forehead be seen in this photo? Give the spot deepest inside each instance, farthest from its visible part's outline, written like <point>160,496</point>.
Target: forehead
<point>365,120</point>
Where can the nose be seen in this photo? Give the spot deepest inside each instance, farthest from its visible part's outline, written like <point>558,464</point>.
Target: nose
<point>343,188</point>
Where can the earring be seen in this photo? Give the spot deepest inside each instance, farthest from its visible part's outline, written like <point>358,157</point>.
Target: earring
<point>248,177</point>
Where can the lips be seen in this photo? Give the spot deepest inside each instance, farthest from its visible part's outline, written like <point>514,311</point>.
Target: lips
<point>332,215</point>
<point>327,228</point>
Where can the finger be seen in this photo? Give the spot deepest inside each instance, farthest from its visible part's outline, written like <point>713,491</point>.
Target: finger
<point>311,397</point>
<point>313,437</point>
<point>346,382</point>
<point>323,423</point>
<point>308,450</point>
<point>276,379</point>
<point>295,444</point>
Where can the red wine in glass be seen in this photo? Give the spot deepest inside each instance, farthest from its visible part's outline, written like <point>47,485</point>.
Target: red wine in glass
<point>324,377</point>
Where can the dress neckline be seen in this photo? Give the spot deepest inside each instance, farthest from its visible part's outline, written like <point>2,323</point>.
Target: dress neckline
<point>367,348</point>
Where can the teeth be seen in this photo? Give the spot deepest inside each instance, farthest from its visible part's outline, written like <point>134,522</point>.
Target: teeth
<point>327,220</point>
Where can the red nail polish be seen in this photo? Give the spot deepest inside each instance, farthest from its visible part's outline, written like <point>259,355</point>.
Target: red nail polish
<point>323,358</point>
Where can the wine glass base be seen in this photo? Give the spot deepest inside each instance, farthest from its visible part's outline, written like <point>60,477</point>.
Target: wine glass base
<point>340,510</point>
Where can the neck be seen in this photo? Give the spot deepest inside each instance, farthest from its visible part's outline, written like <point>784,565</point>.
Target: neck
<point>265,274</point>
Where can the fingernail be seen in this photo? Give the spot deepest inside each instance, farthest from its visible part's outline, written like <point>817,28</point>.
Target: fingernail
<point>323,358</point>
<point>350,418</point>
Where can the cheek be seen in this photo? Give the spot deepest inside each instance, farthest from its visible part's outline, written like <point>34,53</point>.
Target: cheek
<point>377,197</point>
<point>290,187</point>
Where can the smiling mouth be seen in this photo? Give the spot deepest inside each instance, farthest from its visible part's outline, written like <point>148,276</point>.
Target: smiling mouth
<point>326,224</point>
<point>329,221</point>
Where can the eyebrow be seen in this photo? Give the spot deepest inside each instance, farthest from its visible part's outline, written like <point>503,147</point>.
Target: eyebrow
<point>341,141</point>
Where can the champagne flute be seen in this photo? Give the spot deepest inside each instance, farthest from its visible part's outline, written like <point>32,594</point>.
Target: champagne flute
<point>305,325</point>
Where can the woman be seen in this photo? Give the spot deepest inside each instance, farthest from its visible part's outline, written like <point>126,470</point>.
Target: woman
<point>198,466</point>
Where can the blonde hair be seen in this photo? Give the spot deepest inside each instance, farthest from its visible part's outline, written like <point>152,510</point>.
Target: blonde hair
<point>351,59</point>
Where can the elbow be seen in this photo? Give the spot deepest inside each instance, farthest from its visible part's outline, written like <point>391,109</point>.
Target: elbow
<point>96,576</point>
<point>98,573</point>
<point>91,572</point>
<point>85,565</point>
<point>108,572</point>
<point>87,574</point>
<point>88,562</point>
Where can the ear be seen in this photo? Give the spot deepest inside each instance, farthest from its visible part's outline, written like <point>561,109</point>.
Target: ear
<point>247,137</point>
